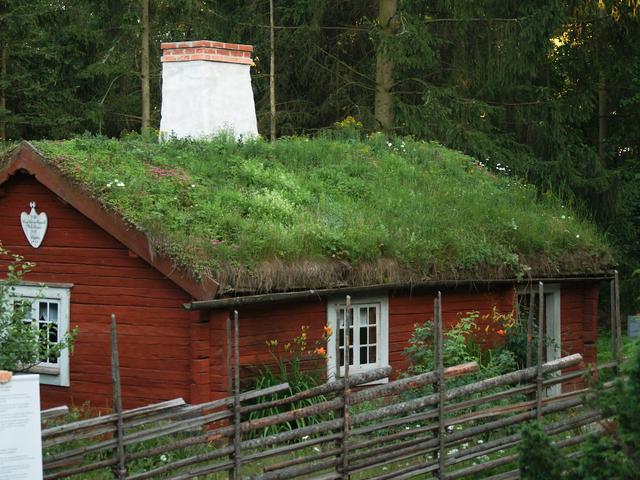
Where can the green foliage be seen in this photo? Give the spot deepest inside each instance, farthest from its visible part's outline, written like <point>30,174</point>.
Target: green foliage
<point>290,359</point>
<point>511,83</point>
<point>466,341</point>
<point>21,345</point>
<point>600,459</point>
<point>610,453</point>
<point>538,459</point>
<point>623,404</point>
<point>229,209</point>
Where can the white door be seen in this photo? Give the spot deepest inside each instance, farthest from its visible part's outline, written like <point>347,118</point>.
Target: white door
<point>552,330</point>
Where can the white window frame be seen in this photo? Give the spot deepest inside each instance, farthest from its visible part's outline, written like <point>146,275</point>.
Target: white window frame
<point>382,334</point>
<point>49,374</point>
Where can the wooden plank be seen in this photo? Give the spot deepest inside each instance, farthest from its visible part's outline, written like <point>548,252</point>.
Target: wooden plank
<point>54,412</point>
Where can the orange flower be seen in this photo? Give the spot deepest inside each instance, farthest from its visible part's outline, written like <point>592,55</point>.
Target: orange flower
<point>501,332</point>
<point>320,351</point>
<point>327,330</point>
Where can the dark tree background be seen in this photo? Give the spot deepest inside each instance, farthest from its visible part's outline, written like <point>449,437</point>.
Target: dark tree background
<point>549,90</point>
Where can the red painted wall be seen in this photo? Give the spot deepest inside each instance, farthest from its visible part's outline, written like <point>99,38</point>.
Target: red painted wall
<point>259,324</point>
<point>406,309</point>
<point>155,332</point>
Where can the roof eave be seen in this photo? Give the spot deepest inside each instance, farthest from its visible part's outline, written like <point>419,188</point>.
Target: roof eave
<point>26,157</point>
<point>278,297</point>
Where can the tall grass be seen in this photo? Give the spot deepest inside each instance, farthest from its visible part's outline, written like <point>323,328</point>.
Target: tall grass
<point>431,211</point>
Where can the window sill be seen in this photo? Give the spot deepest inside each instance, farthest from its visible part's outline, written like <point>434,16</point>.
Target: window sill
<point>54,371</point>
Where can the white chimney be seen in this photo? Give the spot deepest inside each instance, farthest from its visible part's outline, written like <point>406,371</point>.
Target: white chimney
<point>206,88</point>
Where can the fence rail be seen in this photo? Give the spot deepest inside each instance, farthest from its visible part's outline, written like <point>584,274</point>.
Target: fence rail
<point>433,424</point>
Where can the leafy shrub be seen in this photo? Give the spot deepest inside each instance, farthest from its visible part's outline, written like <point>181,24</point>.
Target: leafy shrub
<point>539,460</point>
<point>466,341</point>
<point>613,453</point>
<point>21,345</point>
<point>600,459</point>
<point>289,368</point>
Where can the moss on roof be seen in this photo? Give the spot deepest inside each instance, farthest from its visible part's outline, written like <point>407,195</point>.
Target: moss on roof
<point>322,212</point>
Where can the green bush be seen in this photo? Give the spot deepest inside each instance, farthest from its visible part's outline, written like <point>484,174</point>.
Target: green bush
<point>613,453</point>
<point>466,341</point>
<point>22,346</point>
<point>539,460</point>
<point>289,360</point>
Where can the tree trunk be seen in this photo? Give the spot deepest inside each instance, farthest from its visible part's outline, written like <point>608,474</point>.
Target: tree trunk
<point>144,65</point>
<point>384,66</point>
<point>3,97</point>
<point>602,103</point>
<point>272,73</point>
<point>602,120</point>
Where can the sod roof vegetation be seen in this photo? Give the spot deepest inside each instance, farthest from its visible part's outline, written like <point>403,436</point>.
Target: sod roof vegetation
<point>329,211</point>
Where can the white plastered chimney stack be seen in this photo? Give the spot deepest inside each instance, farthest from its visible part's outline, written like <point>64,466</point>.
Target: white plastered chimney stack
<point>206,90</point>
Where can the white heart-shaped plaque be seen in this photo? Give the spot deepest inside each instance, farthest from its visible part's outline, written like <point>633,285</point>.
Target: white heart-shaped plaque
<point>34,225</point>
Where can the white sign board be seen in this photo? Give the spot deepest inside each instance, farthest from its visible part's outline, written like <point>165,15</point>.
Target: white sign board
<point>20,437</point>
<point>34,225</point>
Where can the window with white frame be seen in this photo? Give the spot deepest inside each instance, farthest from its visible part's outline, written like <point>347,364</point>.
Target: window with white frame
<point>47,309</point>
<point>368,325</point>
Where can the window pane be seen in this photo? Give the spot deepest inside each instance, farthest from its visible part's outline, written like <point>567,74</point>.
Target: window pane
<point>372,335</point>
<point>372,315</point>
<point>341,317</point>
<point>53,312</point>
<point>342,357</point>
<point>372,354</point>
<point>53,333</point>
<point>42,311</point>
<point>363,355</point>
<point>341,338</point>
<point>363,335</point>
<point>363,316</point>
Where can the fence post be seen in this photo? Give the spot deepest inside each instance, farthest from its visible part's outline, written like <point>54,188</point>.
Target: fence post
<point>614,323</point>
<point>230,474</point>
<point>439,368</point>
<point>619,345</point>
<point>121,468</point>
<point>532,306</point>
<point>346,390</point>
<point>236,398</point>
<point>541,318</point>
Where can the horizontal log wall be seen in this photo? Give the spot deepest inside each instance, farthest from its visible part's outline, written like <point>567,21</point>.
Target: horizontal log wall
<point>154,329</point>
<point>282,322</point>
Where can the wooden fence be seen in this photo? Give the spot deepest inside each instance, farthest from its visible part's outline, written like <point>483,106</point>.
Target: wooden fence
<point>433,424</point>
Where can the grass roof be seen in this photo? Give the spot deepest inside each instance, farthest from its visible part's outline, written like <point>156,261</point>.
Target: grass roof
<point>322,212</point>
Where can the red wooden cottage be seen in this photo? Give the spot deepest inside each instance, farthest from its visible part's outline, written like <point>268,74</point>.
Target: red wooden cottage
<point>92,263</point>
<point>139,230</point>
